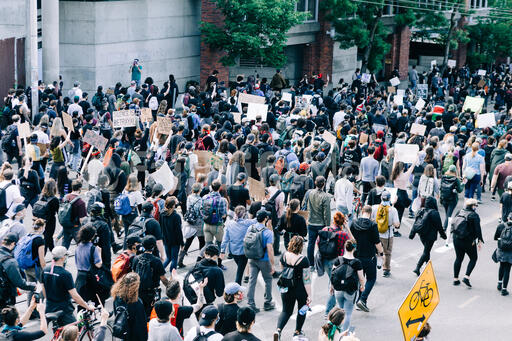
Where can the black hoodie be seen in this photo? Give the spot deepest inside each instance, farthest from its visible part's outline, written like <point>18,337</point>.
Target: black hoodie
<point>432,222</point>
<point>366,234</point>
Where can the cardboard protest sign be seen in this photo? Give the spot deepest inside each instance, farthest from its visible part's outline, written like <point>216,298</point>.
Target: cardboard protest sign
<point>246,98</point>
<point>391,90</point>
<point>255,109</point>
<point>328,137</point>
<point>124,118</point>
<point>287,97</point>
<point>394,81</point>
<point>68,121</point>
<point>366,77</point>
<point>164,125</point>
<point>475,104</point>
<point>256,189</point>
<point>24,130</point>
<point>418,129</point>
<point>482,72</point>
<point>481,83</point>
<point>166,178</point>
<point>203,157</point>
<point>146,115</point>
<point>406,153</point>
<point>216,161</point>
<point>399,100</point>
<point>422,90</point>
<point>420,104</point>
<point>363,138</point>
<point>95,140</point>
<point>452,63</point>
<point>485,120</point>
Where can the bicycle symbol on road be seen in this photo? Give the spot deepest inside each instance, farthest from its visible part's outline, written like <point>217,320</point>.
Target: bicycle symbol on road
<point>423,295</point>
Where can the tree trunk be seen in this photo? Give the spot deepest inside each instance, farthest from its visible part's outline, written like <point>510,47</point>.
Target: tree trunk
<point>448,39</point>
<point>368,49</point>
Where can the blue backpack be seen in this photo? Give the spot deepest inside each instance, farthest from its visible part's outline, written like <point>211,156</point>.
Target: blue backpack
<point>23,252</point>
<point>122,205</point>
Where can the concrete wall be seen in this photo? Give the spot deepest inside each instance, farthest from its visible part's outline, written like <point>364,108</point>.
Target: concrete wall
<point>344,64</point>
<point>99,40</point>
<point>13,18</point>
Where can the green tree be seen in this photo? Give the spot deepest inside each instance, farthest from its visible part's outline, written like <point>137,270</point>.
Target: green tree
<point>359,24</point>
<point>253,29</point>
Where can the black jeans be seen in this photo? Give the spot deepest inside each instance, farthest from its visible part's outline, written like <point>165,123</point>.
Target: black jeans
<point>504,273</point>
<point>289,298</point>
<point>367,186</point>
<point>448,208</point>
<point>370,271</point>
<point>241,263</point>
<point>462,248</point>
<point>425,256</point>
<point>189,241</point>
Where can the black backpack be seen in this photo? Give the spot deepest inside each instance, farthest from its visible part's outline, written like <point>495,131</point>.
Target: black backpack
<point>297,188</point>
<point>344,277</point>
<point>287,277</point>
<point>505,240</point>
<point>448,189</point>
<point>192,278</point>
<point>419,224</point>
<point>3,200</point>
<point>200,336</point>
<point>9,140</point>
<point>145,271</point>
<point>271,207</point>
<point>328,244</point>
<point>120,326</point>
<point>40,208</point>
<point>460,226</point>
<point>138,227</point>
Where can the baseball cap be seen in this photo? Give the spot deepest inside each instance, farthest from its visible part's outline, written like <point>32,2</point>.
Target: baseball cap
<point>385,197</point>
<point>59,252</point>
<point>10,238</point>
<point>147,206</point>
<point>262,214</point>
<point>233,287</point>
<point>245,316</point>
<point>208,315</point>
<point>15,208</point>
<point>163,309</point>
<point>508,156</point>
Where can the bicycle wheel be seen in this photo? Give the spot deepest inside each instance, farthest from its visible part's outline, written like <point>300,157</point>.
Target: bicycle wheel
<point>428,297</point>
<point>415,298</point>
<point>89,334</point>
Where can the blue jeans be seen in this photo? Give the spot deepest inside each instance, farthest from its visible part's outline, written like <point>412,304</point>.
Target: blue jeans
<point>345,211</point>
<point>346,302</point>
<point>312,236</point>
<point>471,186</point>
<point>414,195</point>
<point>331,300</point>
<point>172,256</point>
<point>413,84</point>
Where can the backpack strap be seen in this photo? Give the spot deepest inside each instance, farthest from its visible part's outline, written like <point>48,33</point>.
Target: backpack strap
<point>276,194</point>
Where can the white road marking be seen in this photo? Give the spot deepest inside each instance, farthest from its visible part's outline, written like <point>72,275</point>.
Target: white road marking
<point>469,301</point>
<point>444,248</point>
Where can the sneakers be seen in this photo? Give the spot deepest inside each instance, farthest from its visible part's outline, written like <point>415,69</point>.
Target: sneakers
<point>417,272</point>
<point>493,198</point>
<point>465,280</point>
<point>397,234</point>
<point>411,215</point>
<point>254,308</point>
<point>246,279</point>
<point>277,335</point>
<point>386,273</point>
<point>499,286</point>
<point>480,202</point>
<point>269,306</point>
<point>362,305</point>
<point>504,292</point>
<point>223,267</point>
<point>456,282</point>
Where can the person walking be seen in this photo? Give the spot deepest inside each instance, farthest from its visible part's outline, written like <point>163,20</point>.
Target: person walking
<point>233,241</point>
<point>503,253</point>
<point>349,283</point>
<point>368,171</point>
<point>292,223</point>
<point>87,256</point>
<point>501,172</point>
<point>427,225</point>
<point>467,239</point>
<point>344,192</point>
<point>401,180</point>
<point>319,208</point>
<point>294,285</point>
<point>473,170</point>
<point>170,223</point>
<point>386,217</point>
<point>450,187</point>
<point>214,213</point>
<point>193,220</point>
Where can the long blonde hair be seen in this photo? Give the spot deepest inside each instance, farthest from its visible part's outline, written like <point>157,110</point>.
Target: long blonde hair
<point>56,127</point>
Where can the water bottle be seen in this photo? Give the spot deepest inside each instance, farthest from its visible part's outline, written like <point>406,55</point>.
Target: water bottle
<point>379,262</point>
<point>283,290</point>
<point>304,309</point>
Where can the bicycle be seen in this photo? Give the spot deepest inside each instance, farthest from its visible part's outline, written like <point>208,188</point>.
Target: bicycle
<point>358,206</point>
<point>87,322</point>
<point>423,295</point>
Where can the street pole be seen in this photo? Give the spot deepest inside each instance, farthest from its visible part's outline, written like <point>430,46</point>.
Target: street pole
<point>32,30</point>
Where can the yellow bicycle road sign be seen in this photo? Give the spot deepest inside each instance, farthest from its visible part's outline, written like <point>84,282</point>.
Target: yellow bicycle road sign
<point>419,304</point>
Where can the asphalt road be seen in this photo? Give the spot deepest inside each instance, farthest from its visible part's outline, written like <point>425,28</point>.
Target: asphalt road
<point>480,313</point>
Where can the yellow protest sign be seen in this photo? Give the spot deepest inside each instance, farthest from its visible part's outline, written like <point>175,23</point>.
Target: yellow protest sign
<point>419,304</point>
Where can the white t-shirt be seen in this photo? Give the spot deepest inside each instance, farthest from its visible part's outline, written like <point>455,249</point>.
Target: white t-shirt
<point>392,220</point>
<point>135,197</point>
<point>94,168</point>
<point>338,118</point>
<point>193,332</point>
<point>159,331</point>
<point>42,137</point>
<point>12,194</point>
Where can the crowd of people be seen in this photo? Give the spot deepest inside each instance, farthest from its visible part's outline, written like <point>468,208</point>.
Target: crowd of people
<point>336,187</point>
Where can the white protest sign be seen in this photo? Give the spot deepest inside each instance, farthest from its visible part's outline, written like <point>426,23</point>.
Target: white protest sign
<point>451,63</point>
<point>433,63</point>
<point>307,98</point>
<point>485,120</point>
<point>328,137</point>
<point>400,92</point>
<point>255,109</point>
<point>475,104</point>
<point>418,129</point>
<point>422,90</point>
<point>124,118</point>
<point>406,153</point>
<point>365,78</point>
<point>165,177</point>
<point>482,72</point>
<point>399,100</point>
<point>394,81</point>
<point>246,98</point>
<point>287,97</point>
<point>420,104</point>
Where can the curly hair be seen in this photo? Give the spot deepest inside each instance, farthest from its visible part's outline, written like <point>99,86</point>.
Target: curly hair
<point>127,288</point>
<point>296,245</point>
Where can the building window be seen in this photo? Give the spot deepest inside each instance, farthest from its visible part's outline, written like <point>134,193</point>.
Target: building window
<point>310,6</point>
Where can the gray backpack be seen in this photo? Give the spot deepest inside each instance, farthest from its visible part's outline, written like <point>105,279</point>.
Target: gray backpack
<point>253,243</point>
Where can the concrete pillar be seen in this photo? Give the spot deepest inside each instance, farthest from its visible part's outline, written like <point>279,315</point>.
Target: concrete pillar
<point>50,26</point>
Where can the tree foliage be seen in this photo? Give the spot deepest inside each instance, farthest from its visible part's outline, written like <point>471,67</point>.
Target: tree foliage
<point>253,29</point>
